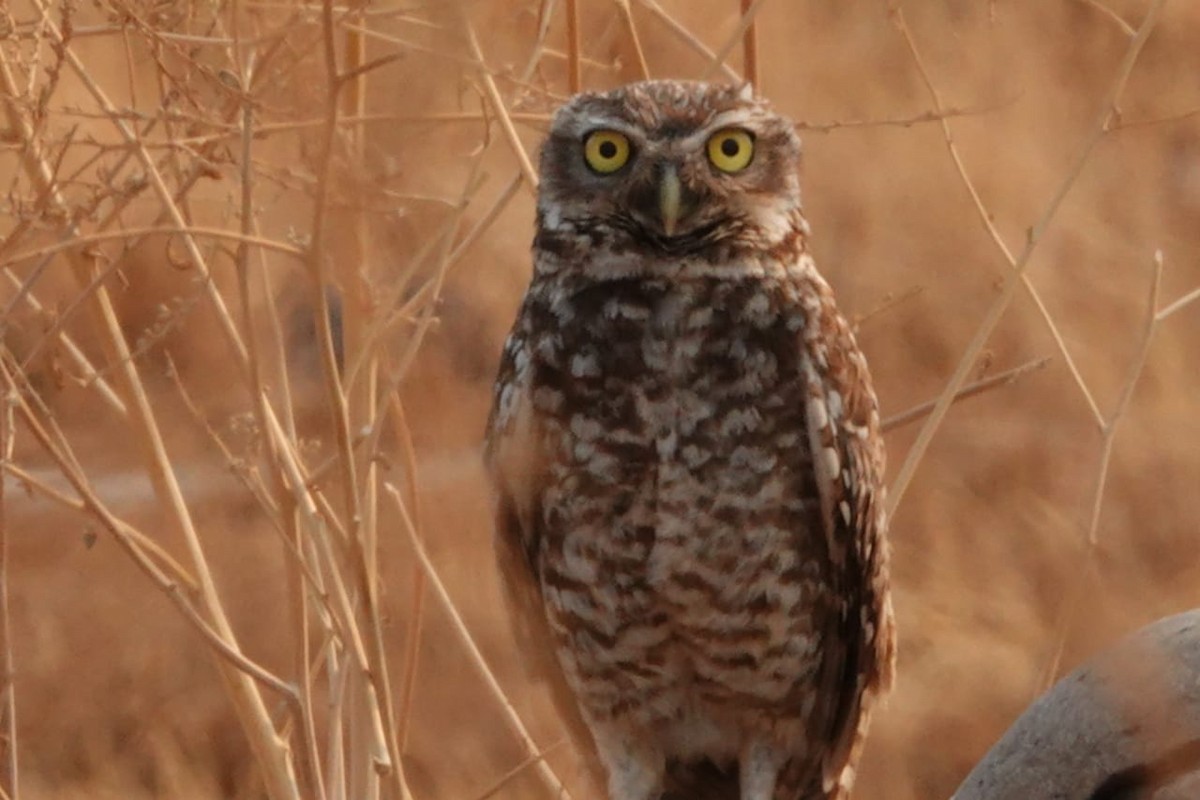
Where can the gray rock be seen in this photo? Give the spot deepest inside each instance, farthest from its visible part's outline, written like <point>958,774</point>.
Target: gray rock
<point>1125,725</point>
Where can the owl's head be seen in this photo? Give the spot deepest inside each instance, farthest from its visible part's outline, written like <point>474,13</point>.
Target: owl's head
<point>671,168</point>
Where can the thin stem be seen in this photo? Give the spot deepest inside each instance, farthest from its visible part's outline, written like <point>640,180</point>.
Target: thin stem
<point>496,101</point>
<point>9,779</point>
<point>987,219</point>
<point>750,48</point>
<point>739,31</point>
<point>634,38</point>
<point>1012,281</point>
<point>978,387</point>
<point>1091,538</point>
<point>574,74</point>
<point>690,40</point>
<point>547,775</point>
<point>269,750</point>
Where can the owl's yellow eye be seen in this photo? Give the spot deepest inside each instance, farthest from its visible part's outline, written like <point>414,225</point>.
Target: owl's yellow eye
<point>731,149</point>
<point>606,151</point>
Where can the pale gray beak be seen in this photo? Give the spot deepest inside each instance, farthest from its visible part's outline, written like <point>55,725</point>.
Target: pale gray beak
<point>669,199</point>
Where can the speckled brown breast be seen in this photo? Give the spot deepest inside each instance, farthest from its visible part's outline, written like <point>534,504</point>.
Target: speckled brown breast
<point>681,551</point>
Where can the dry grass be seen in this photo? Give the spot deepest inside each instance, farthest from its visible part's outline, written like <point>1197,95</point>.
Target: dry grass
<point>258,261</point>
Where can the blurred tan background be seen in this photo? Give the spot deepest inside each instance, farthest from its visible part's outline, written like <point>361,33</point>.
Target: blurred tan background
<point>115,696</point>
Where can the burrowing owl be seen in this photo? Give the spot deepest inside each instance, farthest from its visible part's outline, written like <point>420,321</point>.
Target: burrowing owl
<point>685,446</point>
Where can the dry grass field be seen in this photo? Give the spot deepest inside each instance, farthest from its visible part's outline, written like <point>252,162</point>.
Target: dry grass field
<point>209,582</point>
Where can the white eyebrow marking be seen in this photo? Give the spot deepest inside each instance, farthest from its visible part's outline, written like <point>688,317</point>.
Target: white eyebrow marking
<point>589,123</point>
<point>734,117</point>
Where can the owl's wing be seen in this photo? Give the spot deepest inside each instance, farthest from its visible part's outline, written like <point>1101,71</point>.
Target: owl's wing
<point>515,459</point>
<point>515,463</point>
<point>843,429</point>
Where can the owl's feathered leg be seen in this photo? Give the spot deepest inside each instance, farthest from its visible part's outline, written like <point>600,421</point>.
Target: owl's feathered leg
<point>758,772</point>
<point>635,764</point>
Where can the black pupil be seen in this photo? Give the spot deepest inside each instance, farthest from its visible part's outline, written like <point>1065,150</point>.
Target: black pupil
<point>608,150</point>
<point>730,147</point>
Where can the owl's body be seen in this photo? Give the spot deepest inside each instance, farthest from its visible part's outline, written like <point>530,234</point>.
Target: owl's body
<point>686,451</point>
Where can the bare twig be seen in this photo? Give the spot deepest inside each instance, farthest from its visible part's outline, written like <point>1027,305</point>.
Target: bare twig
<point>1013,280</point>
<point>689,39</point>
<point>132,541</point>
<point>1111,15</point>
<point>888,303</point>
<point>547,775</point>
<point>739,31</point>
<point>498,106</point>
<point>978,387</point>
<point>1109,432</point>
<point>269,750</point>
<point>82,239</point>
<point>986,218</point>
<point>634,39</point>
<point>529,761</point>
<point>1183,116</point>
<point>9,777</point>
<point>936,115</point>
<point>371,699</point>
<point>413,637</point>
<point>1178,305</point>
<point>574,75</point>
<point>750,48</point>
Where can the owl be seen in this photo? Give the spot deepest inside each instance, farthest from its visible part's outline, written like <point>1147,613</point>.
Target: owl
<point>685,450</point>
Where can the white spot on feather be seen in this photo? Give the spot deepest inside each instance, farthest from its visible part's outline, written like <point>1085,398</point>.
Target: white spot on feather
<point>757,306</point>
<point>834,399</point>
<point>819,412</point>
<point>507,398</point>
<point>584,366</point>
<point>585,428</point>
<point>740,420</point>
<point>833,464</point>
<point>521,361</point>
<point>695,457</point>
